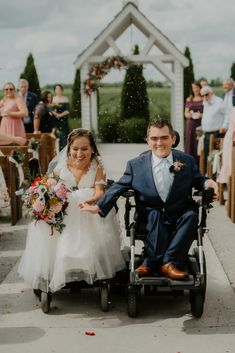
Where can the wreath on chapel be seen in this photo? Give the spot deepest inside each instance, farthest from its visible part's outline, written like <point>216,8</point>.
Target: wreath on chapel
<point>97,72</point>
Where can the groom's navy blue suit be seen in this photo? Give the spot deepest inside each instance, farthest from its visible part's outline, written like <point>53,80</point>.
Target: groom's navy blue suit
<point>171,224</point>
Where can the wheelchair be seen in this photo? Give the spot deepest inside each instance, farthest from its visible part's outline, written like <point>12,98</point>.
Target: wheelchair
<point>196,262</point>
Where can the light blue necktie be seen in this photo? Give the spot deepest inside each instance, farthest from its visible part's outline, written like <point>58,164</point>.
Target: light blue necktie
<point>165,179</point>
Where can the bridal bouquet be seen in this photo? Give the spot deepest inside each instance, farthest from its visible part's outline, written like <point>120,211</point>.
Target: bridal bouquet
<point>46,200</point>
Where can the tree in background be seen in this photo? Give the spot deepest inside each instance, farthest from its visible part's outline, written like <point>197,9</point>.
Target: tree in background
<point>30,74</point>
<point>134,98</point>
<point>188,74</point>
<point>233,71</point>
<point>76,94</point>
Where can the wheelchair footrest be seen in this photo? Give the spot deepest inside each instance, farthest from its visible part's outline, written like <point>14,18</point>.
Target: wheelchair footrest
<point>165,282</point>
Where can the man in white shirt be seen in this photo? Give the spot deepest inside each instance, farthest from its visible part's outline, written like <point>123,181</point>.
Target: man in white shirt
<point>229,100</point>
<point>212,118</point>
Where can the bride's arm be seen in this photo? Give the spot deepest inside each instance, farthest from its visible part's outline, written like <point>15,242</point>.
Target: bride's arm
<point>99,188</point>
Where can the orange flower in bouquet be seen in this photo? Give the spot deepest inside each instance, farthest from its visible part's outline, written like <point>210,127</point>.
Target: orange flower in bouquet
<point>46,200</point>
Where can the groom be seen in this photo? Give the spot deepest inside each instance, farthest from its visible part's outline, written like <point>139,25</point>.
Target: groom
<point>163,180</point>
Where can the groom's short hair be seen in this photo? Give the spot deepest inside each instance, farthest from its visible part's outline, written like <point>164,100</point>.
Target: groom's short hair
<point>160,123</point>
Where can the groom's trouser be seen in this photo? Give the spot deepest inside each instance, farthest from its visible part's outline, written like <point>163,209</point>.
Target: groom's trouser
<point>169,241</point>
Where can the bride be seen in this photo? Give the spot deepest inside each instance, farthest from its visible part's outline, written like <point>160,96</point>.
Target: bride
<point>89,247</point>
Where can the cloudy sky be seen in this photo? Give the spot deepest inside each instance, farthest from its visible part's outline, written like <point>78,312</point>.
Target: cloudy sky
<point>56,31</point>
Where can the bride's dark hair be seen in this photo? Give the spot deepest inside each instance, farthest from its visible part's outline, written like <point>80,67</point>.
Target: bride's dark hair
<point>82,133</point>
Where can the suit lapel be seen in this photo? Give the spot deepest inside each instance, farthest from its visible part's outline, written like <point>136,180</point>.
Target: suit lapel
<point>176,175</point>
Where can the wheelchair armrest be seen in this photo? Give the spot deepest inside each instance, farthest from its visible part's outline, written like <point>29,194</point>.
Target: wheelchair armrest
<point>207,197</point>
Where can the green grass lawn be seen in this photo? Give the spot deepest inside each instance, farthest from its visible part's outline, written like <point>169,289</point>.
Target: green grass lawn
<point>110,98</point>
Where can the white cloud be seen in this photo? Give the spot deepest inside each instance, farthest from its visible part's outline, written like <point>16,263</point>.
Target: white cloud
<point>56,32</point>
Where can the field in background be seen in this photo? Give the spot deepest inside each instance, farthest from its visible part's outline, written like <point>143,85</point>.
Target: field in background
<point>110,97</point>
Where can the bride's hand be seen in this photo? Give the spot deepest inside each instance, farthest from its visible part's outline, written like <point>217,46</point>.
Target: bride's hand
<point>89,208</point>
<point>90,201</point>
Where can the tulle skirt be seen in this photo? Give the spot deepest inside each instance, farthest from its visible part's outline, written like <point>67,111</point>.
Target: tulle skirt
<point>89,248</point>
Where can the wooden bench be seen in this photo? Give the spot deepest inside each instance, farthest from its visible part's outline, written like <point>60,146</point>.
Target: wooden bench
<point>47,149</point>
<point>8,149</point>
<point>12,181</point>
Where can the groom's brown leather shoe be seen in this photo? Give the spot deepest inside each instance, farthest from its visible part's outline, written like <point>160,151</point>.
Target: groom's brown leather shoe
<point>172,272</point>
<point>143,271</point>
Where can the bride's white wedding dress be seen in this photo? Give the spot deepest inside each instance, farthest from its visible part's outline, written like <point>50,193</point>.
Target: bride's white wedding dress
<point>87,249</point>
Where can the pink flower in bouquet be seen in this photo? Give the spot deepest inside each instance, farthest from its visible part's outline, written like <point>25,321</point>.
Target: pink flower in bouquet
<point>51,182</point>
<point>60,191</point>
<point>38,206</point>
<point>32,189</point>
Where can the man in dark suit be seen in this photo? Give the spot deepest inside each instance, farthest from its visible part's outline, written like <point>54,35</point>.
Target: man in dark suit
<point>31,101</point>
<point>163,180</point>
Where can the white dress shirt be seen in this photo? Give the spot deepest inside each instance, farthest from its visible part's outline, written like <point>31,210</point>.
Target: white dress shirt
<point>213,114</point>
<point>157,173</point>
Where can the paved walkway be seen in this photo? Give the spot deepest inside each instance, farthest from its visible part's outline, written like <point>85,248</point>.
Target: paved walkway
<point>165,324</point>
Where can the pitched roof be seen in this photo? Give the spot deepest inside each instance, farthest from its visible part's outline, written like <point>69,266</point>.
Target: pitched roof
<point>128,15</point>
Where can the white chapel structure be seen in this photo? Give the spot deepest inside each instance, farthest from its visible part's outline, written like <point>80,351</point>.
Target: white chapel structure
<point>169,61</point>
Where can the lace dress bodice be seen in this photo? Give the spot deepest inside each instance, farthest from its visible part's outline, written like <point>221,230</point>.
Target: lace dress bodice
<point>88,181</point>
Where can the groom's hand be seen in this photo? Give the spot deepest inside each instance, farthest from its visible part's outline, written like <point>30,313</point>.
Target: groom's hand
<point>209,183</point>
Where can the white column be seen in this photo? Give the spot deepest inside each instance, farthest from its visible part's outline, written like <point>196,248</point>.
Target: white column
<point>94,113</point>
<point>85,99</point>
<point>177,103</point>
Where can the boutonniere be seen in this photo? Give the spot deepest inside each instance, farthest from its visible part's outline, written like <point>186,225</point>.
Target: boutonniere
<point>177,166</point>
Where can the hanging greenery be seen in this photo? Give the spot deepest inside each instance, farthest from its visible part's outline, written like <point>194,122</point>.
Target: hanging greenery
<point>97,72</point>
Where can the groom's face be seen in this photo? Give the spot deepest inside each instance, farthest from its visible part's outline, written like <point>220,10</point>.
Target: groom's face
<point>160,141</point>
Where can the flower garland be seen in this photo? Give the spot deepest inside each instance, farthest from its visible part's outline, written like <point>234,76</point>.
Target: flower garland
<point>97,72</point>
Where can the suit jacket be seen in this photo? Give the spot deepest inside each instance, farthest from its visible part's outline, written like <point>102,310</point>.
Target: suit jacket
<point>139,177</point>
<point>31,102</point>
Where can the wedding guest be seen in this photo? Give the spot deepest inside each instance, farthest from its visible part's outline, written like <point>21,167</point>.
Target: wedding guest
<point>229,101</point>
<point>44,118</point>
<point>61,113</point>
<point>212,118</point>
<point>229,138</point>
<point>193,114</point>
<point>88,249</point>
<point>31,101</point>
<point>163,180</point>
<point>204,82</point>
<point>12,110</point>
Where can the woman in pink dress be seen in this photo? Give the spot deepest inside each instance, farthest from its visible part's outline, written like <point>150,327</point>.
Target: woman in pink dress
<point>226,169</point>
<point>12,110</point>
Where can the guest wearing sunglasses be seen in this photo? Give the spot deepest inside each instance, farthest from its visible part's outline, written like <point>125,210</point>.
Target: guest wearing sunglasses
<point>12,111</point>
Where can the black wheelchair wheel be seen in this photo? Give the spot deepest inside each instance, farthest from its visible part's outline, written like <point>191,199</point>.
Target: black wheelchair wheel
<point>197,303</point>
<point>197,297</point>
<point>196,254</point>
<point>132,302</point>
<point>45,301</point>
<point>37,292</point>
<point>104,297</point>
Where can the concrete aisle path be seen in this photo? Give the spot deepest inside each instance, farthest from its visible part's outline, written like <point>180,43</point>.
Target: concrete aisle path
<point>164,325</point>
